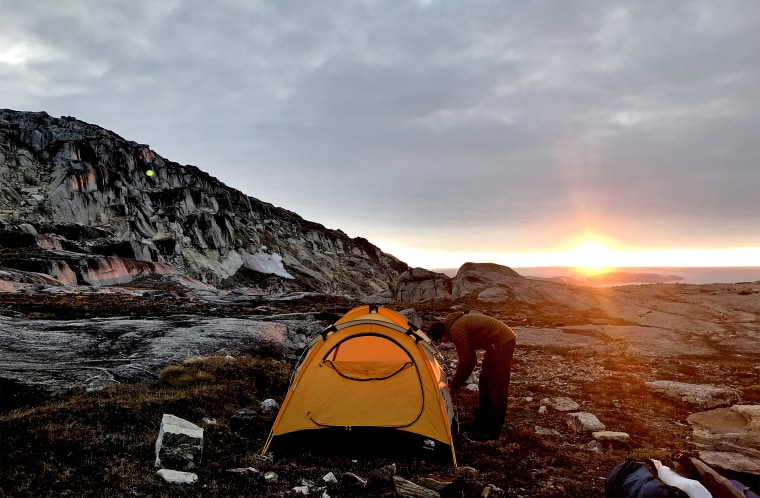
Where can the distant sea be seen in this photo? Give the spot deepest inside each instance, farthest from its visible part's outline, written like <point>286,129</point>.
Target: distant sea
<point>690,275</point>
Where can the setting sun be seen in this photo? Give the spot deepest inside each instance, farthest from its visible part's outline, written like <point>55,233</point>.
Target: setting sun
<point>592,257</point>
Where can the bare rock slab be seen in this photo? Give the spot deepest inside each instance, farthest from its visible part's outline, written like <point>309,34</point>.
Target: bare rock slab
<point>734,430</point>
<point>179,445</point>
<point>731,461</point>
<point>700,395</point>
<point>584,422</point>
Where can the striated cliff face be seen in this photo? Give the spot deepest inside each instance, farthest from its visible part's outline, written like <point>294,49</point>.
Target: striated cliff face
<point>86,206</point>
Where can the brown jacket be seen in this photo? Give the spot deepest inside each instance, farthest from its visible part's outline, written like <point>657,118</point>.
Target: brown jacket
<point>470,333</point>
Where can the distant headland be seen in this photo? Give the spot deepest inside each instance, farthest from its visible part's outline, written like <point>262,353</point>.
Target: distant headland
<point>632,276</point>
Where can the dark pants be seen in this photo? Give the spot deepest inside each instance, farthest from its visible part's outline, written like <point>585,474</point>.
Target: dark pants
<point>494,390</point>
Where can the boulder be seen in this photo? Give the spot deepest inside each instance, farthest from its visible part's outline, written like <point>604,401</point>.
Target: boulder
<point>179,445</point>
<point>474,278</point>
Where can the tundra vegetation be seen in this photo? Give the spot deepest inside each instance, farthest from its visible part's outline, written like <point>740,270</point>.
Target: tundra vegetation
<point>101,443</point>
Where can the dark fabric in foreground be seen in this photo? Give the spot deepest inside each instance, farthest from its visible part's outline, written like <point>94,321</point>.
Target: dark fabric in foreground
<point>639,479</point>
<point>632,479</point>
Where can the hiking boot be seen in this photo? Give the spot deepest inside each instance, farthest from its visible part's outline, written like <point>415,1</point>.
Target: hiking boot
<point>466,428</point>
<point>481,437</point>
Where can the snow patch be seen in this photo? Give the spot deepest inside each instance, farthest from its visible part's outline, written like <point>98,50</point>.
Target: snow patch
<point>264,262</point>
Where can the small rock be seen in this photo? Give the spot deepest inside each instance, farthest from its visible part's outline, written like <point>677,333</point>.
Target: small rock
<point>618,437</point>
<point>330,478</point>
<point>269,405</point>
<point>593,446</point>
<point>543,431</point>
<point>351,479</point>
<point>560,404</point>
<point>404,487</point>
<point>243,420</point>
<point>433,484</point>
<point>542,410</point>
<point>301,490</point>
<point>271,477</point>
<point>468,473</point>
<point>490,490</point>
<point>177,477</point>
<point>584,422</point>
<point>245,470</point>
<point>381,478</point>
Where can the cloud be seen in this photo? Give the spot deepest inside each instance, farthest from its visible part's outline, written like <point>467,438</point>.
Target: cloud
<point>524,121</point>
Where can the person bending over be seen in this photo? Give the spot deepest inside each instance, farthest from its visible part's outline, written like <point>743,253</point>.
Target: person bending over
<point>470,333</point>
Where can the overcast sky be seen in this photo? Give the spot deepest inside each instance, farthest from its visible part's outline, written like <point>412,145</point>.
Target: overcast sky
<point>464,126</point>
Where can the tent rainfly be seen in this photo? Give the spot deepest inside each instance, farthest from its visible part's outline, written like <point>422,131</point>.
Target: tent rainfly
<point>371,375</point>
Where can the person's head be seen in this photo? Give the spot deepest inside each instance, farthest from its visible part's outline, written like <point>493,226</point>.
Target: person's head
<point>437,331</point>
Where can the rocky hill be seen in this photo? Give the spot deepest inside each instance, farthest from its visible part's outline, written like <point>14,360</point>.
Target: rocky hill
<point>82,205</point>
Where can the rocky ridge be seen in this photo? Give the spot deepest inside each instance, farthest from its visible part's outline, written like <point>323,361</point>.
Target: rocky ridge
<point>82,205</point>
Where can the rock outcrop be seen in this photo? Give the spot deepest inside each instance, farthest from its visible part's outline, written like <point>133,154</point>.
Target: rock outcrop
<point>41,358</point>
<point>490,282</point>
<point>85,206</point>
<point>478,277</point>
<point>419,284</point>
<point>729,437</point>
<point>700,395</point>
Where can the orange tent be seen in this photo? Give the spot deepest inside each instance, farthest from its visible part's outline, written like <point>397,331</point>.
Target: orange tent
<point>369,370</point>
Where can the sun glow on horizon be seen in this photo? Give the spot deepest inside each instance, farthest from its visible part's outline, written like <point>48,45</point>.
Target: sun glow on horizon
<point>591,257</point>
